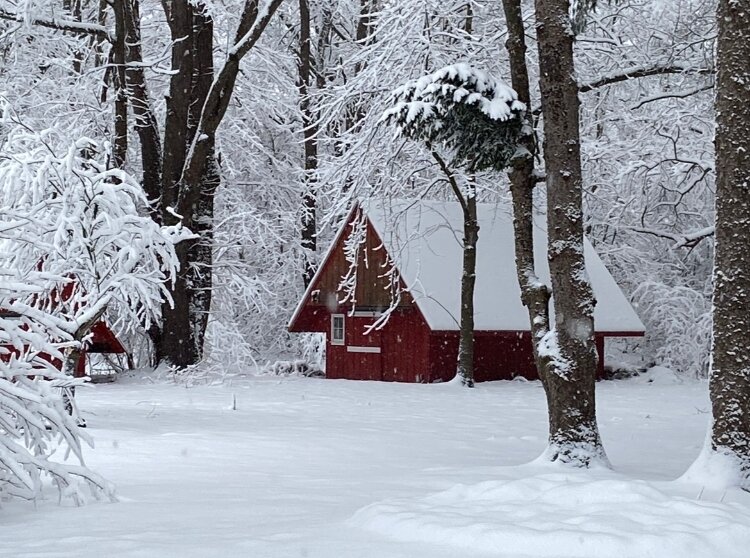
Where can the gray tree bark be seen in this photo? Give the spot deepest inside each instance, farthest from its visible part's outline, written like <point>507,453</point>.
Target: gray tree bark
<point>730,372</point>
<point>569,346</point>
<point>468,201</point>
<point>310,143</point>
<point>535,295</point>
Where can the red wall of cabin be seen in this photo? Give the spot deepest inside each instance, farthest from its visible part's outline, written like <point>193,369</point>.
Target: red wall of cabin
<point>410,352</point>
<point>497,355</point>
<point>406,350</point>
<point>403,343</point>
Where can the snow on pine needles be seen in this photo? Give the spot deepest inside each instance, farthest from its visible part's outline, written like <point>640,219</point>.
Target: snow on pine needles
<point>296,467</point>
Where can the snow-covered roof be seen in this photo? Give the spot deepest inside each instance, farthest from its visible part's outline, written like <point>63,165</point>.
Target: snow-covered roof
<point>424,239</point>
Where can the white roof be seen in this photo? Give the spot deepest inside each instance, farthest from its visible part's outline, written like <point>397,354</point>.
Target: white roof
<point>424,239</point>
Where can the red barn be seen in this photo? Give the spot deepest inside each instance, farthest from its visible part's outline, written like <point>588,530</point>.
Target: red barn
<point>413,250</point>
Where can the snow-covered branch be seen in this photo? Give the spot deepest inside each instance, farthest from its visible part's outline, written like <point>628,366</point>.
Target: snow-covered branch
<point>688,240</point>
<point>635,72</point>
<point>60,24</point>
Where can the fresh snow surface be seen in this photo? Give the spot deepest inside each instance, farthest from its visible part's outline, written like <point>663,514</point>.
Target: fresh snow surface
<point>424,239</point>
<point>314,468</point>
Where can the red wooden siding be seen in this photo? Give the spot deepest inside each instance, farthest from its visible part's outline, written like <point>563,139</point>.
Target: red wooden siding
<point>498,355</point>
<point>373,290</point>
<point>403,344</point>
<point>406,355</point>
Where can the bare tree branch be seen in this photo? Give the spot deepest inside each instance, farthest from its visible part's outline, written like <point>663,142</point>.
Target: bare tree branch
<point>673,95</point>
<point>640,72</point>
<point>688,240</point>
<point>61,25</point>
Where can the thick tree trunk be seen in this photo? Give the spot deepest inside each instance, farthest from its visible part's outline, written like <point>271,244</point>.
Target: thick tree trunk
<point>730,371</point>
<point>184,322</point>
<point>569,346</point>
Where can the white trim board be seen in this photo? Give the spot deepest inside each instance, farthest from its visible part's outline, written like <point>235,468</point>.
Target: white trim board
<point>353,349</point>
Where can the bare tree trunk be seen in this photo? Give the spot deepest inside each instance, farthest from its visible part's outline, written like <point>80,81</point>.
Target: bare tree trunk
<point>534,294</point>
<point>468,280</point>
<point>310,143</point>
<point>468,201</point>
<point>569,346</point>
<point>190,172</point>
<point>120,140</point>
<point>146,126</point>
<point>730,371</point>
<point>177,342</point>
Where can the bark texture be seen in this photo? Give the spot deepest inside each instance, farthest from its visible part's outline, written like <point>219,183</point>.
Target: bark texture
<point>468,201</point>
<point>534,294</point>
<point>468,281</point>
<point>730,374</point>
<point>569,346</point>
<point>310,142</point>
<point>197,103</point>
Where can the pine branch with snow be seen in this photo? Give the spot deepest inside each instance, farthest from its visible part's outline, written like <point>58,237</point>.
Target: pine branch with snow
<point>473,115</point>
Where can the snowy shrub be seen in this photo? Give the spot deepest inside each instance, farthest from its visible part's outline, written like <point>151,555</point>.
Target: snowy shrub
<point>678,326</point>
<point>467,111</point>
<point>293,368</point>
<point>34,426</point>
<point>73,244</point>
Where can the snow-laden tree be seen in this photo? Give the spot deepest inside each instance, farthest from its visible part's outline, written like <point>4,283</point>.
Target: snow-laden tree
<point>646,76</point>
<point>76,242</point>
<point>466,118</point>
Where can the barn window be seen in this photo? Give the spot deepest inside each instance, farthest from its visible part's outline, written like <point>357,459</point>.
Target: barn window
<point>337,329</point>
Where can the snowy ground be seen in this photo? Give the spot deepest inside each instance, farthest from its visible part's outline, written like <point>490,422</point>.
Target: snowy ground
<point>333,468</point>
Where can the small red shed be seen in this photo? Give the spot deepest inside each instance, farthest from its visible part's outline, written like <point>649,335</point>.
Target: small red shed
<point>101,340</point>
<point>408,258</point>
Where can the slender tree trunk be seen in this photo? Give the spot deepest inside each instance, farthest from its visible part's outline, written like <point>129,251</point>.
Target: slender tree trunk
<point>310,143</point>
<point>120,140</point>
<point>730,371</point>
<point>534,294</point>
<point>468,280</point>
<point>468,201</point>
<point>146,126</point>
<point>569,346</point>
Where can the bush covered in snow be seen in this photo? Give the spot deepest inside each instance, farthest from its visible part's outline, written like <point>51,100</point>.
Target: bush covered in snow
<point>73,244</point>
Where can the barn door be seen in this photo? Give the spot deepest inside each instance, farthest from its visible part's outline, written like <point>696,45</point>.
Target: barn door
<point>363,350</point>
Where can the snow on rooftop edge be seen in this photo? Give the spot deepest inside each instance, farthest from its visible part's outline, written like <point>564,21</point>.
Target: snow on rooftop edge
<point>424,240</point>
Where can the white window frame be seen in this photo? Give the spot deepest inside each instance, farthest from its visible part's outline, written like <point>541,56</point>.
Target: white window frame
<point>334,341</point>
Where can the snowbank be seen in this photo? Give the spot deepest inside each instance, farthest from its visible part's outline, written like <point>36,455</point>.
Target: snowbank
<point>566,515</point>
